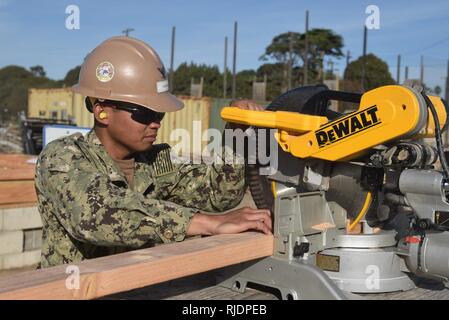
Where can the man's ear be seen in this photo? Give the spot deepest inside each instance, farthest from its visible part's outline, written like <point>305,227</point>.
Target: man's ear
<point>101,115</point>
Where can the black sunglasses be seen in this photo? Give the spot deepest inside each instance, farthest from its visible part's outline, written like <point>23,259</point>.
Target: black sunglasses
<point>138,113</point>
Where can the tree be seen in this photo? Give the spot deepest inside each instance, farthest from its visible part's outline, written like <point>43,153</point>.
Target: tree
<point>14,84</point>
<point>321,43</point>
<point>437,90</point>
<point>213,79</point>
<point>279,48</point>
<point>376,74</point>
<point>275,73</point>
<point>38,71</point>
<point>71,77</point>
<point>244,83</point>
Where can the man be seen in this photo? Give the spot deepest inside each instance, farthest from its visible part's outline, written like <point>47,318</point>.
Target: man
<point>113,191</point>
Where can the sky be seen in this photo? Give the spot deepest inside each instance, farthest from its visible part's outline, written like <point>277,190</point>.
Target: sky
<point>33,32</point>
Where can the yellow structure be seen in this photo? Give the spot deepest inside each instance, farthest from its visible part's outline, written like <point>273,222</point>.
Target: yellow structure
<point>60,104</point>
<point>63,104</point>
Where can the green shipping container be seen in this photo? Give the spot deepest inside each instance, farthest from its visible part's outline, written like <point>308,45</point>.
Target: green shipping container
<point>215,120</point>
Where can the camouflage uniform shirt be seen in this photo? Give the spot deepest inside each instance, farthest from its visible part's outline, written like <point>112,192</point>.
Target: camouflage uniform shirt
<point>89,211</point>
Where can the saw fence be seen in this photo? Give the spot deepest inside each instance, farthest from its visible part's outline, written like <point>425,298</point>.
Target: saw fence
<point>100,277</point>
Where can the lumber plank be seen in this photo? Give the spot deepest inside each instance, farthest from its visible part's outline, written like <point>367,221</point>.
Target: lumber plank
<point>11,174</point>
<point>16,167</point>
<point>14,192</point>
<point>139,268</point>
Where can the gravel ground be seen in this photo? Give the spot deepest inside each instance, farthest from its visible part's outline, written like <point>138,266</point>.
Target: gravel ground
<point>10,140</point>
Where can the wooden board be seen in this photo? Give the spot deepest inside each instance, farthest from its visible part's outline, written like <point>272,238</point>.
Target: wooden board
<point>136,269</point>
<point>15,192</point>
<point>16,174</point>
<point>16,167</point>
<point>17,179</point>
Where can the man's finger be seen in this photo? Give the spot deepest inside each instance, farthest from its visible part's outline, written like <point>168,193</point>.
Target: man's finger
<point>256,225</point>
<point>263,216</point>
<point>263,227</point>
<point>252,210</point>
<point>252,106</point>
<point>257,216</point>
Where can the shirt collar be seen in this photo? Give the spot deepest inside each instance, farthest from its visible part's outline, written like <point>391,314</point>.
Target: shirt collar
<point>112,169</point>
<point>92,138</point>
<point>143,175</point>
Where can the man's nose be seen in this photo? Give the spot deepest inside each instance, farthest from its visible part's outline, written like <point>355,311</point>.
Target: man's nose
<point>155,125</point>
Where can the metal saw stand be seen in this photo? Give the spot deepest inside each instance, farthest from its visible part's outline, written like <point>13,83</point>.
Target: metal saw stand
<point>314,258</point>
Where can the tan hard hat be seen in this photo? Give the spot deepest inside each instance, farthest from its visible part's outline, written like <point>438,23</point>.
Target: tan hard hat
<point>129,70</point>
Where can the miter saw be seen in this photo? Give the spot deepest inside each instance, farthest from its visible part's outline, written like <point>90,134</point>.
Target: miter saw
<point>357,199</point>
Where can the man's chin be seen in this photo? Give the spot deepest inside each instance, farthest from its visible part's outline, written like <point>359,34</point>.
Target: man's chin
<point>143,147</point>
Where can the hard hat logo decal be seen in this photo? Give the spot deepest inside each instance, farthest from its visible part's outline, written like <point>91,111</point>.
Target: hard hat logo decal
<point>105,71</point>
<point>162,86</point>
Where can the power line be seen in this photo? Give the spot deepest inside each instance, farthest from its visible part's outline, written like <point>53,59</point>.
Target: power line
<point>437,43</point>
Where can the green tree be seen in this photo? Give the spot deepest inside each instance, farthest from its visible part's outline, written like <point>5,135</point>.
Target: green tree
<point>38,71</point>
<point>244,84</point>
<point>376,74</point>
<point>437,90</point>
<point>71,77</point>
<point>275,73</point>
<point>213,79</point>
<point>14,84</point>
<point>321,43</point>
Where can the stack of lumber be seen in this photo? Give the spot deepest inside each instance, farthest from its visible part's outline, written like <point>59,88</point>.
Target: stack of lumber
<point>20,223</point>
<point>17,180</point>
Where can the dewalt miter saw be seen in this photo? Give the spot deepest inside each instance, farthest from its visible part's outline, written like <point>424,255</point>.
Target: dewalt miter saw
<point>358,199</point>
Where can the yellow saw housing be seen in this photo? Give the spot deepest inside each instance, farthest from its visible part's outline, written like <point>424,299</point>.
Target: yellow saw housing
<point>385,113</point>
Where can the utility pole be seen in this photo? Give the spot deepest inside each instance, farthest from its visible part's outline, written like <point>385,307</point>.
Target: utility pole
<point>398,74</point>
<point>321,73</point>
<point>331,64</point>
<point>225,68</point>
<point>365,35</point>
<point>127,31</point>
<point>234,62</point>
<point>348,57</point>
<point>446,97</point>
<point>172,59</point>
<point>406,72</point>
<point>421,74</point>
<point>447,83</point>
<point>306,50</point>
<point>290,61</point>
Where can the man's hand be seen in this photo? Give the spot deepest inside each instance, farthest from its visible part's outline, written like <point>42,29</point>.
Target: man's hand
<point>245,105</point>
<point>236,221</point>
